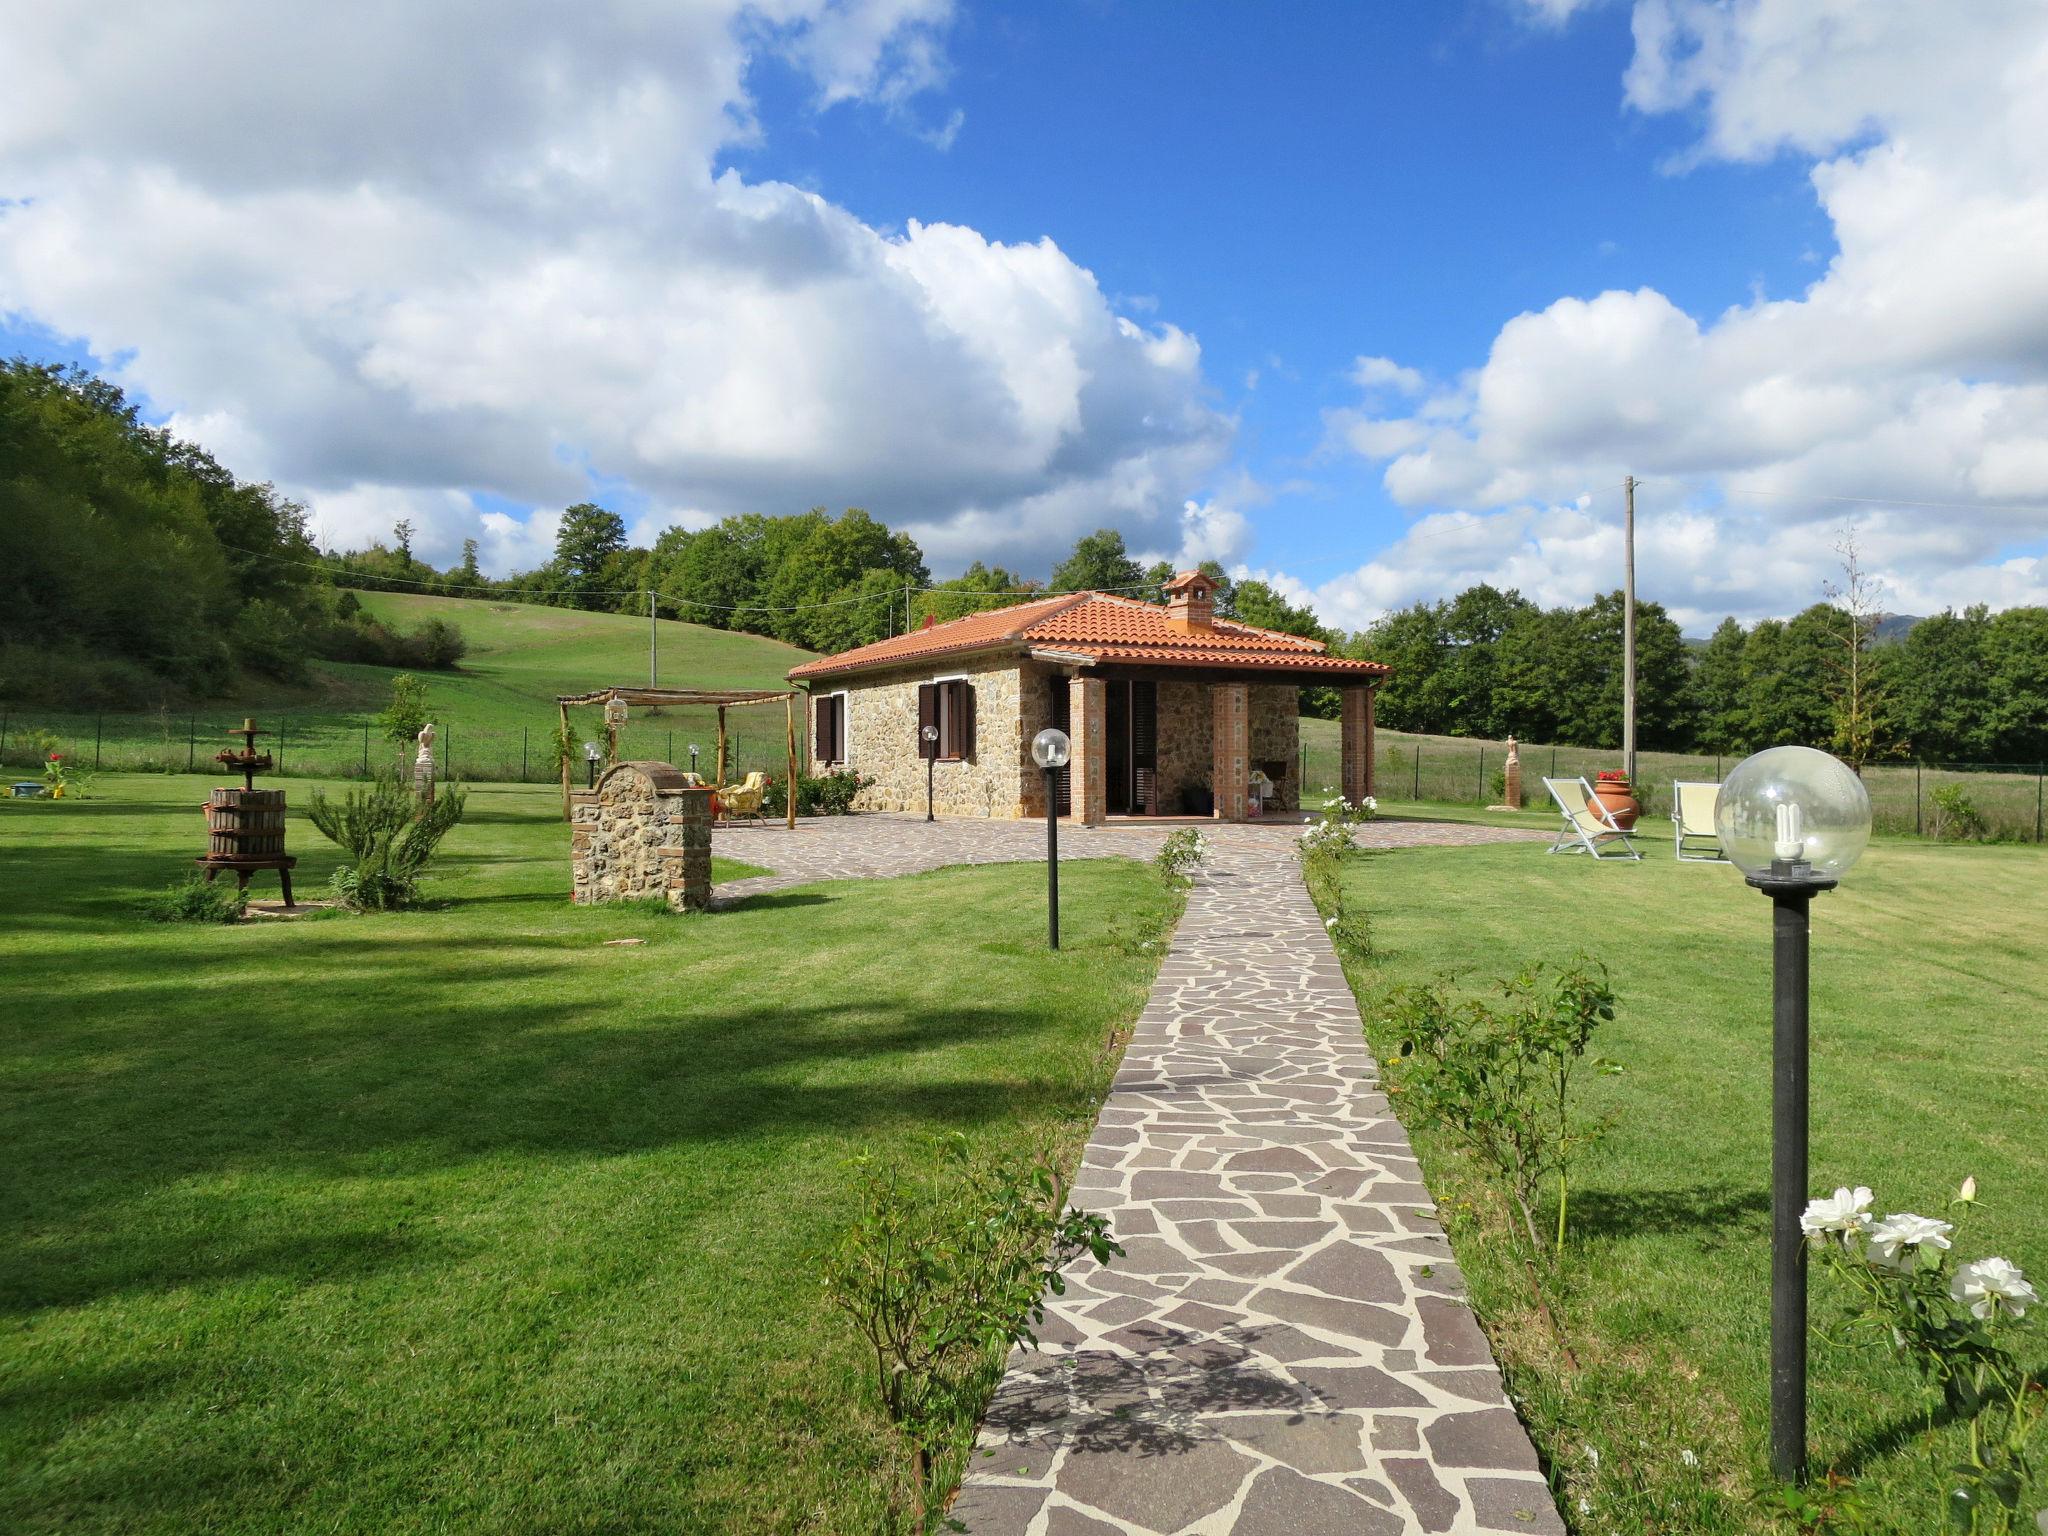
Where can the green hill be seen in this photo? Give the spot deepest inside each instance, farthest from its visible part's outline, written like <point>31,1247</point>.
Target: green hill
<point>496,711</point>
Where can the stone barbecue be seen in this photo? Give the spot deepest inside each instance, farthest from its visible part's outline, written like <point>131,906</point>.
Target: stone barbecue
<point>643,831</point>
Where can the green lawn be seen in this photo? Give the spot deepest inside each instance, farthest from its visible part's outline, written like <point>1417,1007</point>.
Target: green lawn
<point>459,1220</point>
<point>1930,1062</point>
<point>497,710</point>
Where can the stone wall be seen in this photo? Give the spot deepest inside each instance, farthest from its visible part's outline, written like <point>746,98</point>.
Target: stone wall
<point>1185,756</point>
<point>881,738</point>
<point>1276,738</point>
<point>643,831</point>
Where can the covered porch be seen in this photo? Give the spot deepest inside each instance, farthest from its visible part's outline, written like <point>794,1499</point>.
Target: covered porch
<point>1208,744</point>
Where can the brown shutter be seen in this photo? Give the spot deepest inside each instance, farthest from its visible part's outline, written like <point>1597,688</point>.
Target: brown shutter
<point>830,728</point>
<point>1145,748</point>
<point>927,715</point>
<point>963,712</point>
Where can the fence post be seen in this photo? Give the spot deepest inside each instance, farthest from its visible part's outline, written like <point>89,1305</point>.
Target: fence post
<point>1418,768</point>
<point>447,750</point>
<point>2040,785</point>
<point>1918,830</point>
<point>1482,775</point>
<point>283,723</point>
<point>5,716</point>
<point>522,754</point>
<point>1717,765</point>
<point>97,722</point>
<point>1553,762</point>
<point>191,740</point>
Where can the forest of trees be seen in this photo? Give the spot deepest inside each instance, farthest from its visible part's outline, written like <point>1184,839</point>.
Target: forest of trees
<point>134,568</point>
<point>132,564</point>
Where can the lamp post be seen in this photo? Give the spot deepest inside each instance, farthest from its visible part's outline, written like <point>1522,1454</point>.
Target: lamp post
<point>590,761</point>
<point>1793,820</point>
<point>929,735</point>
<point>1050,750</point>
<point>693,757</point>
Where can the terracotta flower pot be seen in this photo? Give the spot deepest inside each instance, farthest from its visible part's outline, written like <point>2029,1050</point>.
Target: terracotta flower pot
<point>1619,799</point>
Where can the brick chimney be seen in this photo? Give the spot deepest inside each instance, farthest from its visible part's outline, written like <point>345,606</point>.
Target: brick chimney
<point>1191,601</point>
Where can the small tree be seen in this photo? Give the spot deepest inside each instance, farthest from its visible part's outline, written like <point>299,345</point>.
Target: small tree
<point>406,715</point>
<point>388,836</point>
<point>1855,689</point>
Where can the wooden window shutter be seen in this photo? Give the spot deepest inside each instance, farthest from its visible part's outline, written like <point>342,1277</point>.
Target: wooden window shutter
<point>963,713</point>
<point>831,728</point>
<point>927,716</point>
<point>1145,748</point>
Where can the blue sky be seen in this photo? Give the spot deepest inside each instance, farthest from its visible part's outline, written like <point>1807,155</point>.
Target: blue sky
<point>1002,273</point>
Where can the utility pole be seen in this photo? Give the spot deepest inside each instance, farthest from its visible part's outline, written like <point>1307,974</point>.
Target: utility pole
<point>1628,632</point>
<point>653,646</point>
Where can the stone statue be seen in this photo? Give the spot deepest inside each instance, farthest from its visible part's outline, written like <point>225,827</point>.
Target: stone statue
<point>1513,794</point>
<point>423,766</point>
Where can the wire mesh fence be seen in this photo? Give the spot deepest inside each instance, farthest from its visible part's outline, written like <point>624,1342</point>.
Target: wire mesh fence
<point>1999,800</point>
<point>329,746</point>
<point>2007,801</point>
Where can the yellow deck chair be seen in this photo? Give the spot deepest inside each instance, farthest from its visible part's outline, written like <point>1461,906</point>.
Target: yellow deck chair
<point>1587,827</point>
<point>1692,818</point>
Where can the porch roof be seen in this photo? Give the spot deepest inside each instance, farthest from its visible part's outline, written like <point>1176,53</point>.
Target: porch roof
<point>1098,627</point>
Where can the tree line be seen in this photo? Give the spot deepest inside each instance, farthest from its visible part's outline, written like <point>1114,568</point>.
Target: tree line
<point>135,569</point>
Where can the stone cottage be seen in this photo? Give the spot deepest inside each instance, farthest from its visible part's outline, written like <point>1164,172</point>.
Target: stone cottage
<point>1171,710</point>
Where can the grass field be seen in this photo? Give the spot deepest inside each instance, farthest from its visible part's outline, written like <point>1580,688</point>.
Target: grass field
<point>1930,1062</point>
<point>458,1220</point>
<point>1459,770</point>
<point>496,711</point>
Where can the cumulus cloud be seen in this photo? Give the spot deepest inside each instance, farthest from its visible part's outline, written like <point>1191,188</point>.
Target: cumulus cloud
<point>1915,368</point>
<point>393,257</point>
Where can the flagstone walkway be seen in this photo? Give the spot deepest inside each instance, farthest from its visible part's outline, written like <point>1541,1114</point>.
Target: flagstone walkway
<point>1284,1347</point>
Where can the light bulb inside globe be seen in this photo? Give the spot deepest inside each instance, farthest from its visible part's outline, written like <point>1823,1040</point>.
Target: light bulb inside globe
<point>1793,813</point>
<point>1050,748</point>
<point>590,750</point>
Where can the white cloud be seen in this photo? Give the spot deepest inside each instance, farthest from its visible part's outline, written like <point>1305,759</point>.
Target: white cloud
<point>1914,368</point>
<point>404,257</point>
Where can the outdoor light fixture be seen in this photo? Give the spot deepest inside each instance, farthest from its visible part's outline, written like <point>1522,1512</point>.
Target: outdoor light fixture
<point>590,758</point>
<point>1050,749</point>
<point>693,757</point>
<point>930,734</point>
<point>1794,821</point>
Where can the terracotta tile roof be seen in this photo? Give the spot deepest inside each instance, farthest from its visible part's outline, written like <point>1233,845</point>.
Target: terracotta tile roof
<point>998,628</point>
<point>1107,628</point>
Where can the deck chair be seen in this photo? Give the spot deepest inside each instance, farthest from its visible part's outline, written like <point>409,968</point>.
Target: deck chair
<point>1587,828</point>
<point>1692,818</point>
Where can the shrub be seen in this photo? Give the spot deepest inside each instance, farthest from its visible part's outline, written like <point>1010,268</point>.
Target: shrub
<point>942,1272</point>
<point>830,795</point>
<point>1952,1323</point>
<point>389,838</point>
<point>1956,817</point>
<point>32,746</point>
<point>1182,854</point>
<point>1496,1078</point>
<point>195,899</point>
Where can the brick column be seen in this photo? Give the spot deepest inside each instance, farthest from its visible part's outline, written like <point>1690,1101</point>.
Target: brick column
<point>1231,766</point>
<point>1355,730</point>
<point>686,856</point>
<point>1086,726</point>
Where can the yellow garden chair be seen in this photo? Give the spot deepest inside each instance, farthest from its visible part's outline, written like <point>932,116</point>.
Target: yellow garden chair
<point>744,798</point>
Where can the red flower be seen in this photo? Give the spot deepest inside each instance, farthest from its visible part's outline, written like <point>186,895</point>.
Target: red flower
<point>1612,775</point>
<point>56,756</point>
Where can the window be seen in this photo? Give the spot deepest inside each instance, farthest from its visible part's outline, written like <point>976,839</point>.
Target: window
<point>828,740</point>
<point>946,705</point>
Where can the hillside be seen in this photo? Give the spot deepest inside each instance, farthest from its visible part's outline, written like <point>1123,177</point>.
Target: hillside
<point>496,710</point>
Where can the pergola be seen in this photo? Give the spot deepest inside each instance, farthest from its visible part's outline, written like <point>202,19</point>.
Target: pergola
<point>722,698</point>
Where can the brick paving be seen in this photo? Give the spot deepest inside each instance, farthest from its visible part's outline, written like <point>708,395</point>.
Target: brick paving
<point>1285,1346</point>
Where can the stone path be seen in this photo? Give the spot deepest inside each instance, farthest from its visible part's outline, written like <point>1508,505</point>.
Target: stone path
<point>1284,1347</point>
